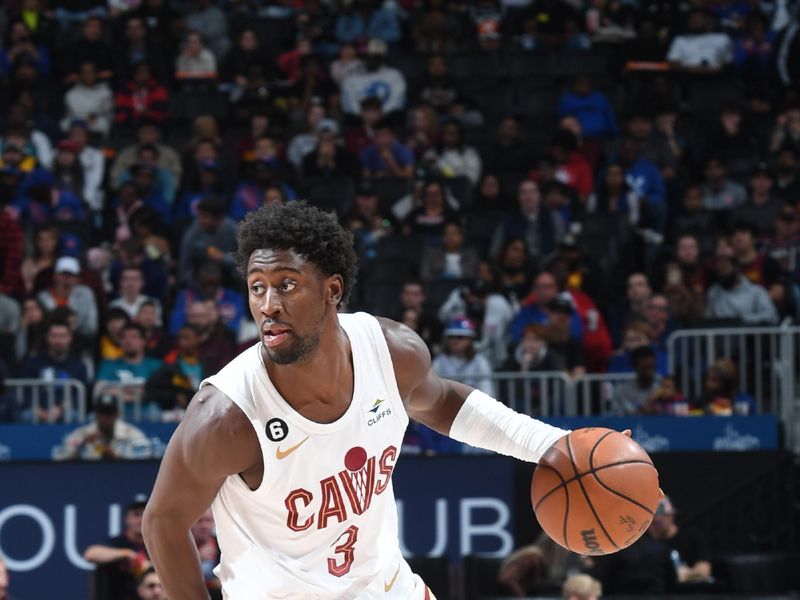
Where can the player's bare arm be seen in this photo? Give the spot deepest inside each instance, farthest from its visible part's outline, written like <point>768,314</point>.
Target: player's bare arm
<point>457,410</point>
<point>214,440</point>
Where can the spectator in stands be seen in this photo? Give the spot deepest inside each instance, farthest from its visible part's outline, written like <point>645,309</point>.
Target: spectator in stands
<point>21,48</point>
<point>348,63</point>
<point>329,158</point>
<point>784,244</point>
<point>436,27</point>
<point>592,109</point>
<point>131,298</point>
<point>451,157</point>
<point>107,437</point>
<point>378,80</point>
<point>37,267</point>
<point>533,354</point>
<point>9,328</point>
<point>532,223</point>
<point>66,291</point>
<point>482,304</point>
<point>207,284</point>
<point>209,21</point>
<point>423,130</point>
<point>734,144</point>
<point>733,296</point>
<point>164,184</point>
<point>211,237</point>
<point>758,267</point>
<point>265,172</point>
<point>208,549</point>
<point>667,400</point>
<point>452,260</point>
<point>149,586</point>
<point>387,157</point>
<point>644,179</point>
<point>440,91</point>
<point>114,320</point>
<point>89,48</point>
<point>720,391</point>
<point>359,138</point>
<point>637,333</point>
<point>157,342</point>
<point>787,181</point>
<point>658,315</point>
<point>763,205</point>
<point>148,133</point>
<point>362,19</point>
<point>92,161</point>
<point>247,53</point>
<point>632,397</point>
<point>701,50</point>
<point>514,267</point>
<point>138,46</point>
<point>490,197</point>
<point>124,377</point>
<point>787,129</point>
<point>509,152</point>
<point>304,142</point>
<point>459,359</point>
<point>367,222</point>
<point>90,100</point>
<point>562,335</point>
<point>614,196</point>
<point>217,345</point>
<point>174,384</point>
<point>412,297</point>
<point>140,98</point>
<point>32,325</point>
<point>693,553</point>
<point>57,362</point>
<point>694,219</point>
<point>571,168</point>
<point>655,145</point>
<point>124,555</point>
<point>685,281</point>
<point>534,308</point>
<point>11,254</point>
<point>487,19</point>
<point>195,61</point>
<point>430,218</point>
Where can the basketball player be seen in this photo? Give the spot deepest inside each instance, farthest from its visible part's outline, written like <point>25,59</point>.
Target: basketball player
<point>293,443</point>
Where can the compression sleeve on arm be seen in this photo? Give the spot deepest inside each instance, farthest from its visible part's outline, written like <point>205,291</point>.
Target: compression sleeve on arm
<point>486,423</point>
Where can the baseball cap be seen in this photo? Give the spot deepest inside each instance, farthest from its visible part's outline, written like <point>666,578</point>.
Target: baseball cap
<point>68,264</point>
<point>139,501</point>
<point>665,507</point>
<point>461,327</point>
<point>106,404</point>
<point>559,304</point>
<point>376,47</point>
<point>328,125</point>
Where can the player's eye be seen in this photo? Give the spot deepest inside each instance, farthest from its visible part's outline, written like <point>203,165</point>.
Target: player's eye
<point>288,286</point>
<point>257,289</point>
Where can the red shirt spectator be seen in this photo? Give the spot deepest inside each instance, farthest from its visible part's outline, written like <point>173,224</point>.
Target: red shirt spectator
<point>142,98</point>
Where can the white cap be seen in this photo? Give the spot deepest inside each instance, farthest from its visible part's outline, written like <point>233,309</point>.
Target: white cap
<point>68,264</point>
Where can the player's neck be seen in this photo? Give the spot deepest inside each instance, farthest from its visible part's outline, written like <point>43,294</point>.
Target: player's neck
<point>320,387</point>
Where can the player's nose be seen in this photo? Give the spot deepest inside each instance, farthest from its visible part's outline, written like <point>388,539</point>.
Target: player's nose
<point>270,304</point>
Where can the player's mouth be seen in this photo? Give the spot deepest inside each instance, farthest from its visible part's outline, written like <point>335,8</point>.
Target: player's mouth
<point>274,335</point>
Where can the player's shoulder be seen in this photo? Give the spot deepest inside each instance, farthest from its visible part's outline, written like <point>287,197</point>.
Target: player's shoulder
<point>410,355</point>
<point>215,431</point>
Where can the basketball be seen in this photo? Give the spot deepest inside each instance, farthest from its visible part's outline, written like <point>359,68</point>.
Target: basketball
<point>595,491</point>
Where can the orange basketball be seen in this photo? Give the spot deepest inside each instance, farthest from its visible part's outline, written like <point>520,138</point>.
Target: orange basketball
<point>595,491</point>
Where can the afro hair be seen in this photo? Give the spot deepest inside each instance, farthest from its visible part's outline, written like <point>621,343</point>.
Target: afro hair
<point>312,233</point>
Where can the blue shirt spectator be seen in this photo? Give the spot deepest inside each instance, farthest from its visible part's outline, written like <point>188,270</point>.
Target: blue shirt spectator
<point>644,179</point>
<point>208,277</point>
<point>387,157</point>
<point>592,109</point>
<point>353,26</point>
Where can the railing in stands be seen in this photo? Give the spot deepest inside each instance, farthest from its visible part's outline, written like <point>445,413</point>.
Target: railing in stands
<point>44,394</point>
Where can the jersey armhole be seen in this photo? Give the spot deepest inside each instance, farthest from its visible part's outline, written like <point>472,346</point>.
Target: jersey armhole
<point>387,366</point>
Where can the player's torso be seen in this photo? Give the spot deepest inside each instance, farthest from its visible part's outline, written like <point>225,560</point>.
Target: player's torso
<point>323,523</point>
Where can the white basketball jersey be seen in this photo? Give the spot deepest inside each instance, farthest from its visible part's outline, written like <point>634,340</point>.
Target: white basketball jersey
<point>323,523</point>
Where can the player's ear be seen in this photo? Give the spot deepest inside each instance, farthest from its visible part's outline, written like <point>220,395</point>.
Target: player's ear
<point>335,289</point>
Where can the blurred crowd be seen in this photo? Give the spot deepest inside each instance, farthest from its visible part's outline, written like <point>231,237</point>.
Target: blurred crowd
<point>532,185</point>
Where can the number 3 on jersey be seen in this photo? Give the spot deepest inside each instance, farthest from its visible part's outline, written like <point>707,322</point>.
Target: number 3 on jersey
<point>346,550</point>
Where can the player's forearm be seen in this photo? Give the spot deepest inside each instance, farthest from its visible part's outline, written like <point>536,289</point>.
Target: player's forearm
<point>174,555</point>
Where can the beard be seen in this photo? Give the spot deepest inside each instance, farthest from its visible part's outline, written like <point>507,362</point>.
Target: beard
<point>728,281</point>
<point>298,348</point>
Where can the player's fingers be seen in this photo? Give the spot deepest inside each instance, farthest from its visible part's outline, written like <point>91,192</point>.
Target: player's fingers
<point>627,432</point>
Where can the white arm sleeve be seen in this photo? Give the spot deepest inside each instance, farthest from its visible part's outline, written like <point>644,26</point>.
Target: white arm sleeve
<point>486,423</point>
